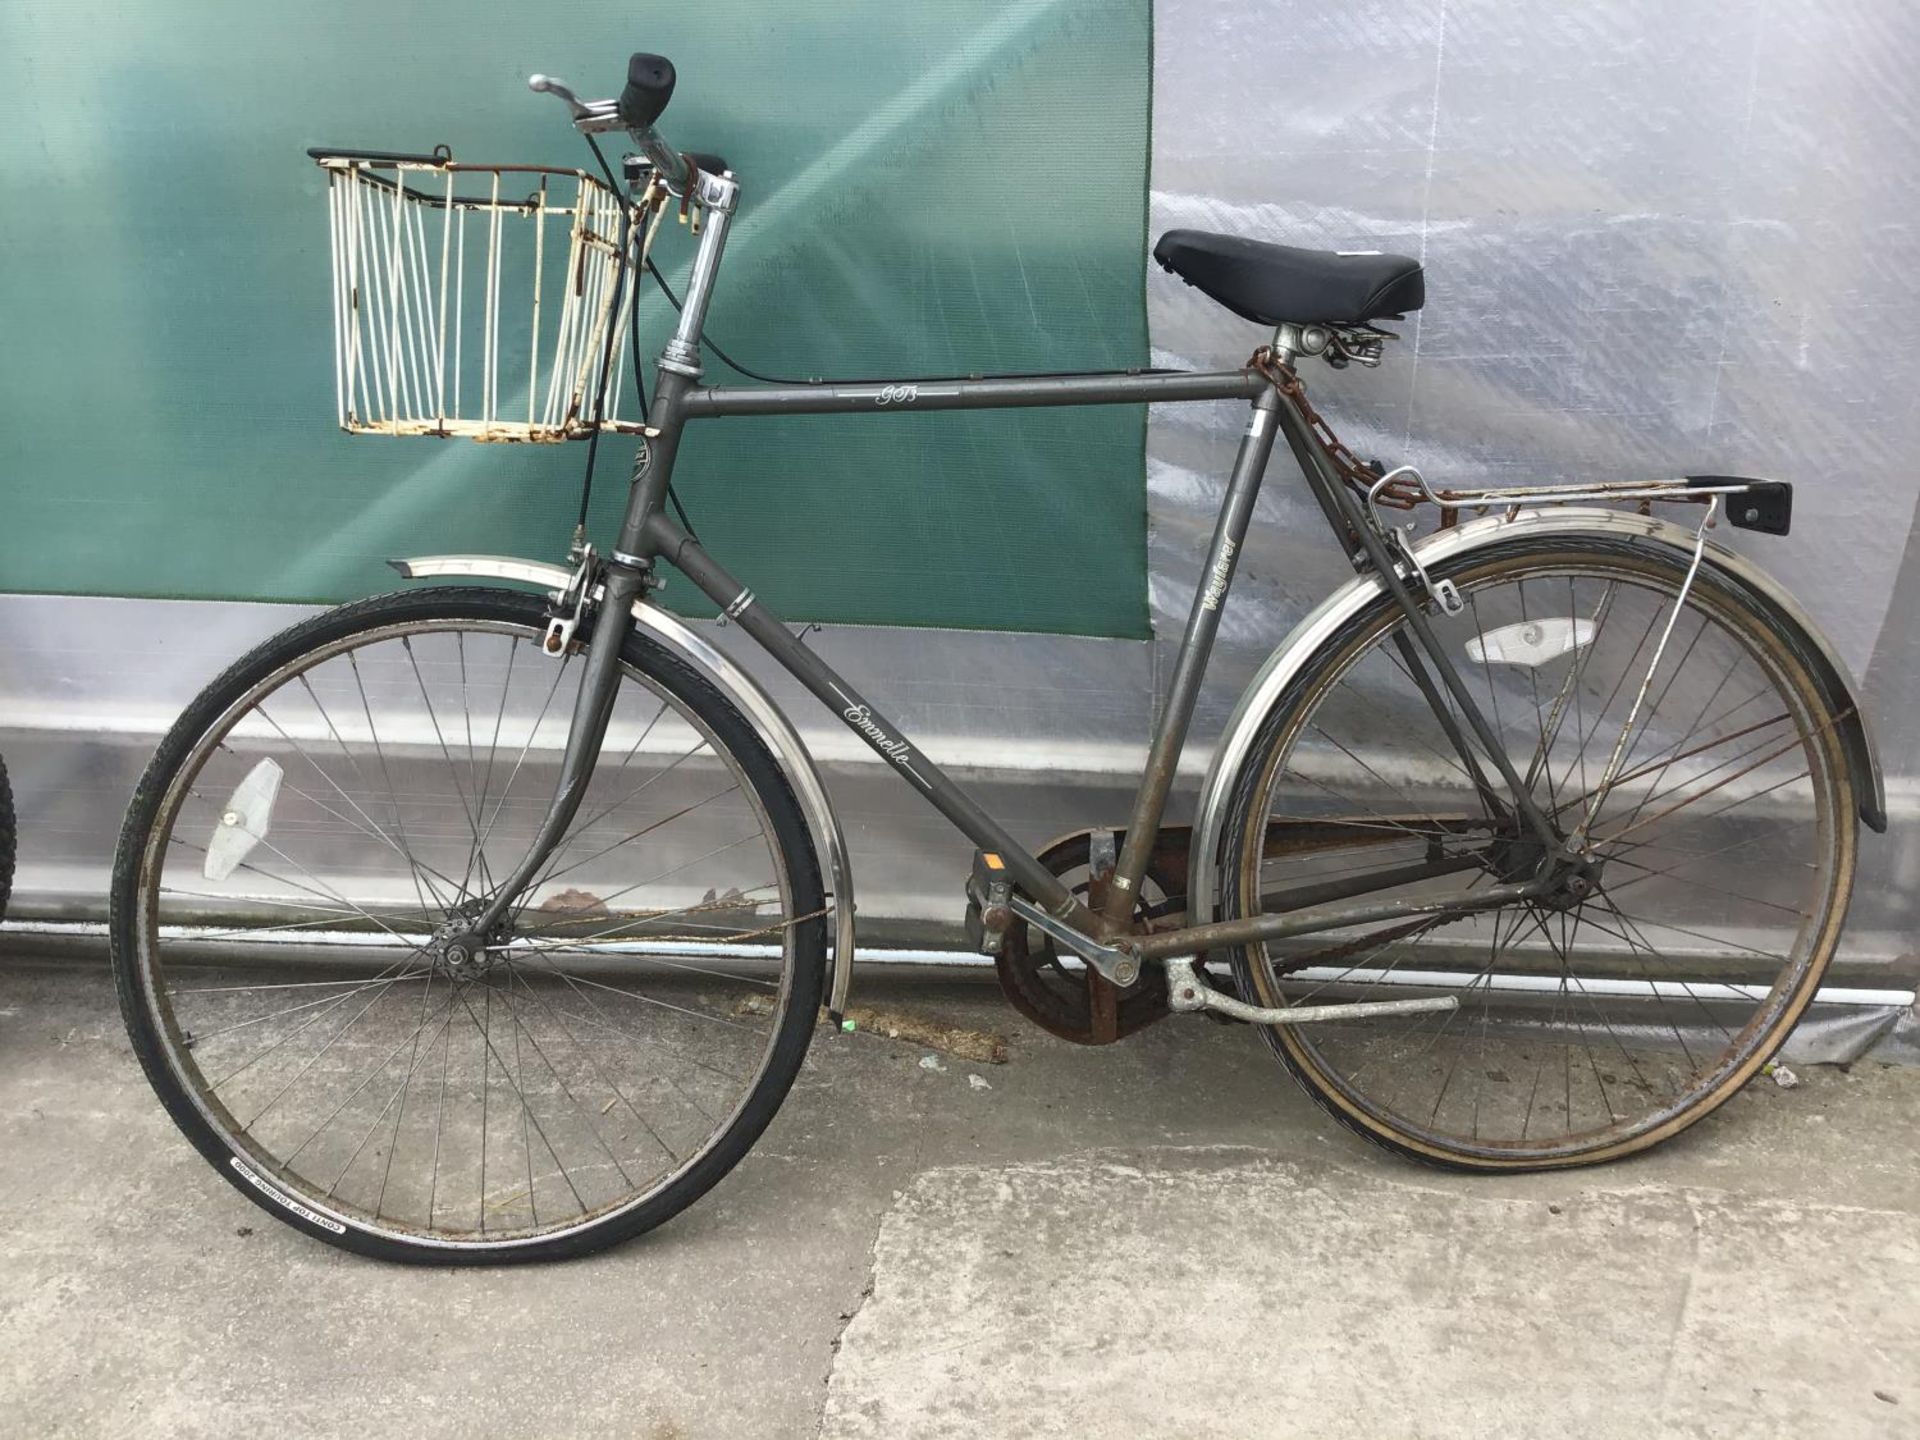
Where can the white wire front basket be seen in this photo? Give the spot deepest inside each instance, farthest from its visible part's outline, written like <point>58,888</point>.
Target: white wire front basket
<point>482,301</point>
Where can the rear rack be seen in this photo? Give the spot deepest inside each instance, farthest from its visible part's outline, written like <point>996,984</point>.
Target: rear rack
<point>1766,505</point>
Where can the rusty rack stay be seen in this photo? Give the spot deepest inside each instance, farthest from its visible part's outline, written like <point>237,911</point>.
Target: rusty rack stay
<point>479,301</point>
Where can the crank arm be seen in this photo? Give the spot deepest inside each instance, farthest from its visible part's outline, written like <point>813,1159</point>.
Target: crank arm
<point>1188,991</point>
<point>1116,965</point>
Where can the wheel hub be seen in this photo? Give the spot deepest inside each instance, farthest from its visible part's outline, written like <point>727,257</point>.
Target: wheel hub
<point>1514,860</point>
<point>460,952</point>
<point>1578,881</point>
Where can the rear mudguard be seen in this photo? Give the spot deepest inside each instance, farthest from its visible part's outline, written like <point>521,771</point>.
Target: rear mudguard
<point>768,722</point>
<point>1297,651</point>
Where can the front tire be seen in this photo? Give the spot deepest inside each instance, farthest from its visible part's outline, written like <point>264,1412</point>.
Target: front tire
<point>310,834</point>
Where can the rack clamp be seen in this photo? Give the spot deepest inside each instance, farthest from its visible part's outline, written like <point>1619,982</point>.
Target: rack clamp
<point>1443,593</point>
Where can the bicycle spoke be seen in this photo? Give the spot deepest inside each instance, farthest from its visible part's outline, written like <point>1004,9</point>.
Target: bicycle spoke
<point>628,927</point>
<point>520,760</point>
<point>203,1036</point>
<point>326,892</point>
<point>393,797</point>
<point>372,1074</point>
<point>393,1141</point>
<point>453,770</point>
<point>301,1073</point>
<point>600,1017</point>
<point>367,827</point>
<point>513,1018</point>
<point>625,840</point>
<point>489,1056</point>
<point>513,973</point>
<point>1653,667</point>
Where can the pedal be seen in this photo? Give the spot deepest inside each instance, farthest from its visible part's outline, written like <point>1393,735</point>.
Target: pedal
<point>989,895</point>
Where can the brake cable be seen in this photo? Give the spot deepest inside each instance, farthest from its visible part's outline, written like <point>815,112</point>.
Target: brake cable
<point>709,343</point>
<point>632,299</point>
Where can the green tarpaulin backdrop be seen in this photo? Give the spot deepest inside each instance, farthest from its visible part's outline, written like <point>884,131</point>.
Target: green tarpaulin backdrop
<point>928,188</point>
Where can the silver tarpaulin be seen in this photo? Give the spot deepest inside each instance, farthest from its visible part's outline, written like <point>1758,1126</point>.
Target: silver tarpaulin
<point>1659,239</point>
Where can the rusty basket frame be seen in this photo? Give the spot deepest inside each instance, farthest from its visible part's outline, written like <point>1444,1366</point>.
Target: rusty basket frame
<point>479,301</point>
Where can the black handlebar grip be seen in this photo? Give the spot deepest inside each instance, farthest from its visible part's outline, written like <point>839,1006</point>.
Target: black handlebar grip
<point>649,88</point>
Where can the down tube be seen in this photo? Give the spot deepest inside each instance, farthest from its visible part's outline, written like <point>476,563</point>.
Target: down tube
<point>672,543</point>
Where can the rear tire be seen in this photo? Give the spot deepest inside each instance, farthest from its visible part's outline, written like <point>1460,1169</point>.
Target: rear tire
<point>1588,1032</point>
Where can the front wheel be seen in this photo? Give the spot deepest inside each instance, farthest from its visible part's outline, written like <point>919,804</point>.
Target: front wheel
<point>1679,740</point>
<point>291,914</point>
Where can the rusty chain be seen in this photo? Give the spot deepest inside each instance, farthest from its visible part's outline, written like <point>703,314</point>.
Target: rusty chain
<point>1360,474</point>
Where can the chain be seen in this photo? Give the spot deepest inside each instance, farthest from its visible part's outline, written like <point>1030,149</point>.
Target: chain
<point>1360,474</point>
<point>1368,944</point>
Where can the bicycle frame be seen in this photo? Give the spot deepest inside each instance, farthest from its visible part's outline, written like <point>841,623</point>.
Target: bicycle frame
<point>648,534</point>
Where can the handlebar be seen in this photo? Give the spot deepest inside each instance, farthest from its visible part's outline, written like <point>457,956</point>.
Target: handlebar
<point>649,87</point>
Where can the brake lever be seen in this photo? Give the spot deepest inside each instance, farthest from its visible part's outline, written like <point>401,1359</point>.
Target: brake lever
<point>590,117</point>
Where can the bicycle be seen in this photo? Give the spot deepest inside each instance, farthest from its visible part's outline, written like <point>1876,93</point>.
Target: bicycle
<point>1526,849</point>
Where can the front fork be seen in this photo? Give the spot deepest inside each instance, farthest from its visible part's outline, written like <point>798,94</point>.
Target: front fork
<point>626,578</point>
<point>629,571</point>
<point>592,708</point>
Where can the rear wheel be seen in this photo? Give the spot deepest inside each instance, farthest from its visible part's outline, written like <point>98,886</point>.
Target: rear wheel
<point>292,906</point>
<point>1710,793</point>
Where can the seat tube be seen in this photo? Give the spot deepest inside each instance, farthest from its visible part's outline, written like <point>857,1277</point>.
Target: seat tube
<point>1203,623</point>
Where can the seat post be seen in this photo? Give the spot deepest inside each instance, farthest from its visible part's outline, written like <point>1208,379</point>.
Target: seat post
<point>1291,342</point>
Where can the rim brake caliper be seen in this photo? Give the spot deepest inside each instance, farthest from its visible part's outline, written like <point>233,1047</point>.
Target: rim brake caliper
<point>566,607</point>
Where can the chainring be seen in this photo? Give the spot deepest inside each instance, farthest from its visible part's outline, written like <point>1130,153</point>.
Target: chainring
<point>1074,1001</point>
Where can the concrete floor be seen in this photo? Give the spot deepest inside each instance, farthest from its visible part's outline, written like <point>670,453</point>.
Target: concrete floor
<point>1160,1238</point>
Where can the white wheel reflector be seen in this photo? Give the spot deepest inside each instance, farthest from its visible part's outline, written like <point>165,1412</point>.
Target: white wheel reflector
<point>1530,642</point>
<point>243,824</point>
